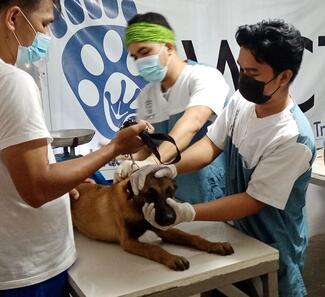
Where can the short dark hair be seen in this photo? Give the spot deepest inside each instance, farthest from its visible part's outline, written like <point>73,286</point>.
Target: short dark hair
<point>27,4</point>
<point>275,43</point>
<point>152,18</point>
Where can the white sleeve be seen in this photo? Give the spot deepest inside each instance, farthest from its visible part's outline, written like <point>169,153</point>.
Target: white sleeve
<point>21,114</point>
<point>140,104</point>
<point>219,129</point>
<point>275,175</point>
<point>208,87</point>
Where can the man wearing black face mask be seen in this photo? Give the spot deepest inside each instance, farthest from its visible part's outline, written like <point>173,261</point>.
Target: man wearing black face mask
<point>269,149</point>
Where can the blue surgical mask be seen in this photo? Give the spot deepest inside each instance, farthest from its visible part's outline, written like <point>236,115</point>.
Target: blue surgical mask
<point>150,68</point>
<point>36,51</point>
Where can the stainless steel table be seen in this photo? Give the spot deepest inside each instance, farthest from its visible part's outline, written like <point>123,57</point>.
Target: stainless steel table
<point>105,270</point>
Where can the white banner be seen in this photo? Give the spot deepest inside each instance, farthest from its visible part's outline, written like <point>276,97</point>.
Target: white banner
<point>92,82</point>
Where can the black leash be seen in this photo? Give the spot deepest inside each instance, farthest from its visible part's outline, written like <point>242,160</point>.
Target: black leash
<point>149,140</point>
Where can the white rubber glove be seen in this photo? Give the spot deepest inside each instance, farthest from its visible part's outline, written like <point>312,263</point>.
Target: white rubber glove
<point>184,213</point>
<point>138,178</point>
<point>127,167</point>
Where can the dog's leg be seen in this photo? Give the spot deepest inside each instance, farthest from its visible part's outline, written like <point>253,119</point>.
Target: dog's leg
<point>179,237</point>
<point>155,253</point>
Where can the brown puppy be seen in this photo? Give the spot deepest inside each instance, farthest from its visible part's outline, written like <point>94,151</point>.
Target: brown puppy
<point>112,213</point>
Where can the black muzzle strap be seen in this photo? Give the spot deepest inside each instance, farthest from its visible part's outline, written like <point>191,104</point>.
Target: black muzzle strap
<point>152,141</point>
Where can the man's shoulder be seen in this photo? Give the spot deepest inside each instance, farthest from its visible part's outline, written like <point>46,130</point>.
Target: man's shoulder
<point>148,88</point>
<point>303,125</point>
<point>206,76</point>
<point>12,76</point>
<point>203,69</point>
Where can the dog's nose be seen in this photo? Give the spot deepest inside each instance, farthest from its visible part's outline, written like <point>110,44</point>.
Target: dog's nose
<point>165,215</point>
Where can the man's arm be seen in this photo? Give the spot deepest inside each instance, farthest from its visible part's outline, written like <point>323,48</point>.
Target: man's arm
<point>183,132</point>
<point>232,207</point>
<point>228,208</point>
<point>197,156</point>
<point>193,119</point>
<point>37,181</point>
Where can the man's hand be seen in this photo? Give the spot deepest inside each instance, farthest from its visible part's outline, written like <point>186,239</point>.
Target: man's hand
<point>127,140</point>
<point>138,178</point>
<point>74,194</point>
<point>184,213</point>
<point>127,167</point>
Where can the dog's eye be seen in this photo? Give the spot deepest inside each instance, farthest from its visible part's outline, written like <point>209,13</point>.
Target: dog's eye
<point>151,193</point>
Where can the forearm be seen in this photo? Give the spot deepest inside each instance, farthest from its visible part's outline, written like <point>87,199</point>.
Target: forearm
<point>60,178</point>
<point>193,119</point>
<point>228,208</point>
<point>42,182</point>
<point>37,181</point>
<point>197,156</point>
<point>141,154</point>
<point>182,136</point>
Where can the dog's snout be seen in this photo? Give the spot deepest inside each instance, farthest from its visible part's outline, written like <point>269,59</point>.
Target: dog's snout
<point>166,219</point>
<point>165,215</point>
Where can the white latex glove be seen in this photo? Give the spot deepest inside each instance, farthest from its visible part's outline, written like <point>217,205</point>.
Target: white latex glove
<point>184,213</point>
<point>138,178</point>
<point>127,167</point>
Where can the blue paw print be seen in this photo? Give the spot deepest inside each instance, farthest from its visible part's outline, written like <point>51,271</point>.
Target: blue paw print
<point>95,62</point>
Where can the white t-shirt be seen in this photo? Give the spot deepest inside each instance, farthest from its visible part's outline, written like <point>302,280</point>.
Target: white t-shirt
<point>196,85</point>
<point>269,146</point>
<point>36,244</point>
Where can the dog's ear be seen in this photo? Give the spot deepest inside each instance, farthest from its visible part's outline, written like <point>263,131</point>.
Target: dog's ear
<point>129,190</point>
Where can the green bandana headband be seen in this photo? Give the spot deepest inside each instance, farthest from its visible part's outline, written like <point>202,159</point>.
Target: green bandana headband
<point>147,32</point>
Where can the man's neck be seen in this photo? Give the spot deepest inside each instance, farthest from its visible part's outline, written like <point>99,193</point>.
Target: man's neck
<point>7,59</point>
<point>176,66</point>
<point>5,50</point>
<point>275,105</point>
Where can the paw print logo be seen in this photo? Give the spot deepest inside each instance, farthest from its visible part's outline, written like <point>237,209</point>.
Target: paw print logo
<point>95,62</point>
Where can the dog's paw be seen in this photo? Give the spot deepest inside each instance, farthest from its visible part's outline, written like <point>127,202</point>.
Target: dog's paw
<point>220,248</point>
<point>178,263</point>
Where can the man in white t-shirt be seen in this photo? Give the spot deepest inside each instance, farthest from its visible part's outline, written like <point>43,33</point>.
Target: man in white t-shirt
<point>269,149</point>
<point>181,99</point>
<point>37,245</point>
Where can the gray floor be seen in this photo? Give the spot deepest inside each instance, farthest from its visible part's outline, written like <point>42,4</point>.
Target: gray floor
<point>314,273</point>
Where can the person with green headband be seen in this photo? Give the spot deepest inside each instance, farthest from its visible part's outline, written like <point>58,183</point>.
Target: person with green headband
<point>180,99</point>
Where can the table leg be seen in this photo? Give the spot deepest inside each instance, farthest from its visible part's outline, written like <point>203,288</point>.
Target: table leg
<point>270,284</point>
<point>232,291</point>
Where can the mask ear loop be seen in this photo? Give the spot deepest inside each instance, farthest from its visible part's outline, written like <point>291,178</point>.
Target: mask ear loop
<point>269,96</point>
<point>27,20</point>
<point>13,32</point>
<point>270,80</point>
<point>29,23</point>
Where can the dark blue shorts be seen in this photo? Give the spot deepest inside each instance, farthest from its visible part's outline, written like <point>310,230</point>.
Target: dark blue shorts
<point>54,287</point>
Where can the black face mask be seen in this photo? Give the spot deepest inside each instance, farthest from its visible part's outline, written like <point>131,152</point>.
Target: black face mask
<point>253,90</point>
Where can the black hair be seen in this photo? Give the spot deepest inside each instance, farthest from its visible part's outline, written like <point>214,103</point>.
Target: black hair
<point>152,18</point>
<point>275,43</point>
<point>27,4</point>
